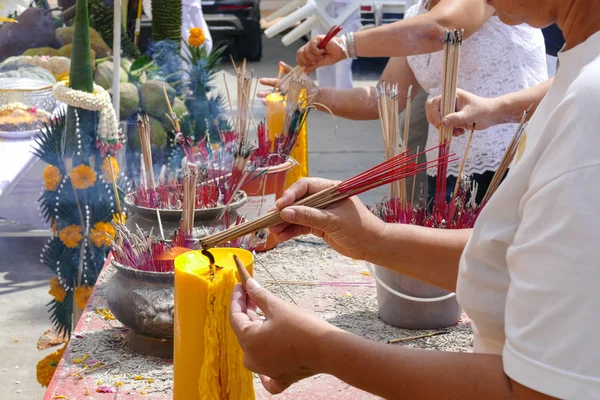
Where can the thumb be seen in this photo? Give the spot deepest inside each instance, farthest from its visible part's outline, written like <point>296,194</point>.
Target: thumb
<point>311,217</point>
<point>260,296</point>
<point>458,119</point>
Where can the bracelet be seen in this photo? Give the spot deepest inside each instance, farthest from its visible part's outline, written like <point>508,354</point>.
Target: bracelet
<point>351,45</point>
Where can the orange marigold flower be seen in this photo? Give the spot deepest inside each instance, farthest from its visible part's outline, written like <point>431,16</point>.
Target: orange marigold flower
<point>197,37</point>
<point>82,295</point>
<point>83,177</point>
<point>99,233</point>
<point>52,177</point>
<point>105,167</point>
<point>57,290</point>
<point>45,368</point>
<point>71,236</point>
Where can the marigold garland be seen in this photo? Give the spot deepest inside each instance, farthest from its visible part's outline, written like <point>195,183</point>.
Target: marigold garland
<point>71,236</point>
<point>57,290</point>
<point>47,366</point>
<point>101,232</point>
<point>83,177</point>
<point>197,37</point>
<point>52,178</point>
<point>82,295</point>
<point>105,167</point>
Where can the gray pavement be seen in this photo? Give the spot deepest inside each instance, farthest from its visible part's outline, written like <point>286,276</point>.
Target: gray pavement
<point>24,281</point>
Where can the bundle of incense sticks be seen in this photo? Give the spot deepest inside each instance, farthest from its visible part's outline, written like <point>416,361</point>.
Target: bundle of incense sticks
<point>249,242</point>
<point>145,143</point>
<point>399,167</point>
<point>142,252</point>
<point>452,46</point>
<point>190,181</point>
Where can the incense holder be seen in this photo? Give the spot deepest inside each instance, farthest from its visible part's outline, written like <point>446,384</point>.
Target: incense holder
<point>144,302</point>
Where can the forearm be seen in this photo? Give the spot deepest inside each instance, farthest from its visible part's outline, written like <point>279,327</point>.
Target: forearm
<point>355,104</point>
<point>427,254</point>
<point>395,372</point>
<point>510,107</point>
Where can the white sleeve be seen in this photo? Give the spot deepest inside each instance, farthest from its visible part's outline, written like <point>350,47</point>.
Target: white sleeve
<point>553,302</point>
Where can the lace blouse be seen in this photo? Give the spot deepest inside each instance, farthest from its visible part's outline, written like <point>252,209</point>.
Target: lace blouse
<point>496,60</point>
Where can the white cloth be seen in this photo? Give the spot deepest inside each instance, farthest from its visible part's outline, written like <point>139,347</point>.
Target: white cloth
<point>338,75</point>
<point>530,273</point>
<point>496,60</point>
<point>194,18</point>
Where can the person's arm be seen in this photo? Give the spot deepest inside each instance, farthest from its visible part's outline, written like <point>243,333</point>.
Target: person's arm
<point>361,103</point>
<point>421,34</point>
<point>399,372</point>
<point>292,344</point>
<point>429,255</point>
<point>487,112</point>
<point>358,103</point>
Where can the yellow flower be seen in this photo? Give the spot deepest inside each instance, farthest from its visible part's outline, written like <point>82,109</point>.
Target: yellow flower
<point>45,368</point>
<point>52,177</point>
<point>57,290</point>
<point>105,167</point>
<point>63,77</point>
<point>71,236</point>
<point>99,231</point>
<point>82,177</point>
<point>82,295</point>
<point>197,37</point>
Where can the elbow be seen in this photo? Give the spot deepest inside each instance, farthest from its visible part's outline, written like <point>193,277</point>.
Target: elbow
<point>432,36</point>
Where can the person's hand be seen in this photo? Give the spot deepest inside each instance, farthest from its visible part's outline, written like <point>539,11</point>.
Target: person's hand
<point>347,226</point>
<point>311,57</point>
<point>469,108</point>
<point>309,85</point>
<point>283,347</point>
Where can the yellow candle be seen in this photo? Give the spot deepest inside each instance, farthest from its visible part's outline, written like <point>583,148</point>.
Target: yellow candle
<point>208,360</point>
<point>275,115</point>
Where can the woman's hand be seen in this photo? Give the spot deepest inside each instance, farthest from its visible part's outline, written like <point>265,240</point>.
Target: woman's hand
<point>309,85</point>
<point>470,108</point>
<point>347,226</point>
<point>283,347</point>
<point>311,57</point>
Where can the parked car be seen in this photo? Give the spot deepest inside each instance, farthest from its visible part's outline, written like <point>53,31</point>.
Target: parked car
<point>237,23</point>
<point>381,12</point>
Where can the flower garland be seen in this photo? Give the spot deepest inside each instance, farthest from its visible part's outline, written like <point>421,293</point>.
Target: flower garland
<point>47,366</point>
<point>109,137</point>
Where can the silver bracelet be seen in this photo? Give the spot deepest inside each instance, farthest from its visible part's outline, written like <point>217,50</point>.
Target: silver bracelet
<point>351,45</point>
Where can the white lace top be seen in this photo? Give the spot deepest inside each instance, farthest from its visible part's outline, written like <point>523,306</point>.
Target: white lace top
<point>496,60</point>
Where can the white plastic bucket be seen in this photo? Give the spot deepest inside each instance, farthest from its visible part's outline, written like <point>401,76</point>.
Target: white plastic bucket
<point>411,304</point>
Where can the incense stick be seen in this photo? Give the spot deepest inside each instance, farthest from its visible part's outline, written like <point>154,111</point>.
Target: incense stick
<point>462,164</point>
<point>145,141</point>
<point>399,167</point>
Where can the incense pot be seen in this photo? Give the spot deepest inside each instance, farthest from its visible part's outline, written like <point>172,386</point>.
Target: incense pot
<point>147,219</point>
<point>144,302</point>
<point>208,360</point>
<point>263,192</point>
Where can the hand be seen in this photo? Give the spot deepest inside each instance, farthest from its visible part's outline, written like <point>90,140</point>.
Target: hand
<point>347,226</point>
<point>309,85</point>
<point>470,108</point>
<point>283,347</point>
<point>311,57</point>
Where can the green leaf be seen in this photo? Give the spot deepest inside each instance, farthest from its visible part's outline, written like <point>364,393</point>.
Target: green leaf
<point>141,62</point>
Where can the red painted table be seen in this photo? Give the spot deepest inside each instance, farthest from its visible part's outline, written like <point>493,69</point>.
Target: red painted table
<point>351,306</point>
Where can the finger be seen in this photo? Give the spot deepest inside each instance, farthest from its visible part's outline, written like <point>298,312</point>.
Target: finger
<point>238,316</point>
<point>268,81</point>
<point>300,56</point>
<point>273,386</point>
<point>277,229</point>
<point>456,132</point>
<point>301,188</point>
<point>432,110</point>
<point>322,220</point>
<point>260,296</point>
<point>293,231</point>
<point>458,119</point>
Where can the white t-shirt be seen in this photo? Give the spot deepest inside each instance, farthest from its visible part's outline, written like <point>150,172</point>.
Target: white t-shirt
<point>529,277</point>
